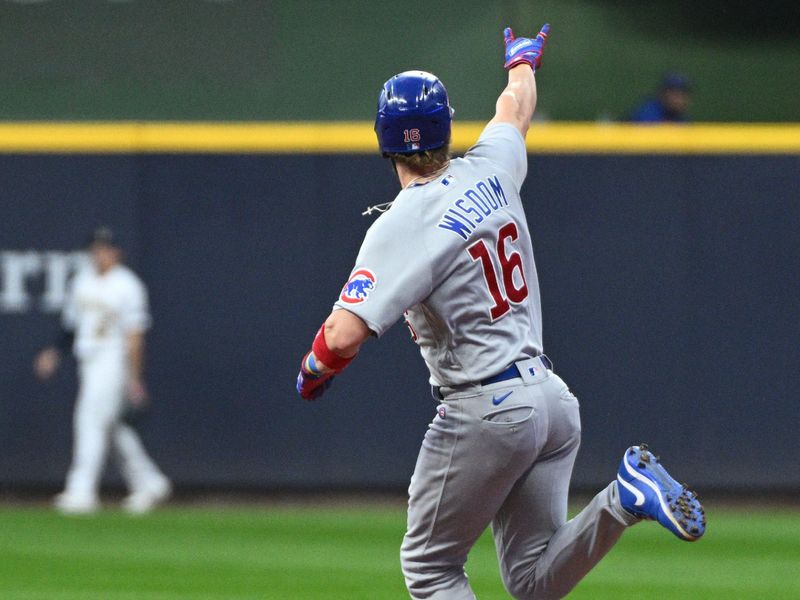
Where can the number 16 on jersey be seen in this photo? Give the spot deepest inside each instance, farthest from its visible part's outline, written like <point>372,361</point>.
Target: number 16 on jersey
<point>510,262</point>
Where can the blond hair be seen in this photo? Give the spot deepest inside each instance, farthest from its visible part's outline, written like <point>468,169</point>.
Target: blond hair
<point>425,161</point>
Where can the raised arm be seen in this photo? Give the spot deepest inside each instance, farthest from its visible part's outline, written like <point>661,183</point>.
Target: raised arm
<point>518,100</point>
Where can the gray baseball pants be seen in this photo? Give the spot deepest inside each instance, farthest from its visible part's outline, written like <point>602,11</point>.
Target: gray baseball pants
<point>502,454</point>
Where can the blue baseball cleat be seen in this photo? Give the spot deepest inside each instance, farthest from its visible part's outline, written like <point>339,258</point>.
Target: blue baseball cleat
<point>646,490</point>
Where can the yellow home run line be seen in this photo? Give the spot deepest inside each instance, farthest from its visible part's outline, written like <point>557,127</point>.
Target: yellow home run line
<point>358,137</point>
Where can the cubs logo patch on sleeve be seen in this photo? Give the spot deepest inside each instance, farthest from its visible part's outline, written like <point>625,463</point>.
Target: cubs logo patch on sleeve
<point>358,287</point>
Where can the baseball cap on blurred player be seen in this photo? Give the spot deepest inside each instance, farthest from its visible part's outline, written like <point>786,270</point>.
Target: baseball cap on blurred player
<point>102,236</point>
<point>676,81</point>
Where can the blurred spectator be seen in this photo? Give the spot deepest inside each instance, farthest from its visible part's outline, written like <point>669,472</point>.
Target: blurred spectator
<point>671,104</point>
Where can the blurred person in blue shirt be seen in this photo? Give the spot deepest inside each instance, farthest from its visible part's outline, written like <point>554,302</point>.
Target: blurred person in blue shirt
<point>670,106</point>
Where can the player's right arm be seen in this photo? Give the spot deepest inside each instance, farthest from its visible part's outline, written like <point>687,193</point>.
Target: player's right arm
<point>48,359</point>
<point>336,344</point>
<point>384,282</point>
<point>517,101</point>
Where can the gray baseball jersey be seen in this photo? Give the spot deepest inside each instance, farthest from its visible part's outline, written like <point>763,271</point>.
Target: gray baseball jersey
<point>455,256</point>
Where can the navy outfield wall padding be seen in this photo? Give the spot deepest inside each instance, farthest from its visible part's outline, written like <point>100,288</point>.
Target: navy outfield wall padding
<point>669,289</point>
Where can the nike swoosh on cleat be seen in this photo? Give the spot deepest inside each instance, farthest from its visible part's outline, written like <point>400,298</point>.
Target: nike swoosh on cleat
<point>496,400</point>
<point>637,495</point>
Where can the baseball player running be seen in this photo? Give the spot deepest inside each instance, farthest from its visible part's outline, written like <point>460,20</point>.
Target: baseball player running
<point>453,253</point>
<point>104,320</point>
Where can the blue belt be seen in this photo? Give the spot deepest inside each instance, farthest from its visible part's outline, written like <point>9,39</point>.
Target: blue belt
<point>512,372</point>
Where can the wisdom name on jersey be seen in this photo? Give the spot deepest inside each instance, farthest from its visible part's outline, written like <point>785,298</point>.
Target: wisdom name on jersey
<point>478,202</point>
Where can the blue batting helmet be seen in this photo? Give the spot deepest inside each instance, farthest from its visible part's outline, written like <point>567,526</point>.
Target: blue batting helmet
<point>413,113</point>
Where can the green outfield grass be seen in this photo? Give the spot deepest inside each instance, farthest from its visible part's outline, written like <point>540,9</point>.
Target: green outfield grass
<point>315,553</point>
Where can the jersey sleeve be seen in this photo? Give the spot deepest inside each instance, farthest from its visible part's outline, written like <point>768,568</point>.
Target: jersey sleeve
<point>503,145</point>
<point>393,272</point>
<point>135,315</point>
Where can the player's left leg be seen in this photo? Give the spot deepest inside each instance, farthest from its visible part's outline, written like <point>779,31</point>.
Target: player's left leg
<point>147,484</point>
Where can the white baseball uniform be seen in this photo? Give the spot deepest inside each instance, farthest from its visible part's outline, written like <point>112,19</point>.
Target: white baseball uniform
<point>455,255</point>
<point>103,309</point>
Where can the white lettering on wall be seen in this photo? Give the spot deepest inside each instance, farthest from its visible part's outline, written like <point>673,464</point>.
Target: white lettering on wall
<point>20,268</point>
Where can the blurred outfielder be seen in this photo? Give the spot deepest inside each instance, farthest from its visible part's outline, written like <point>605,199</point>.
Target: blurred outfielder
<point>453,252</point>
<point>104,320</point>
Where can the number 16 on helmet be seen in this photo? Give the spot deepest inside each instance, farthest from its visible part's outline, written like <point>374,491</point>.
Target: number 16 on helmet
<point>414,114</point>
